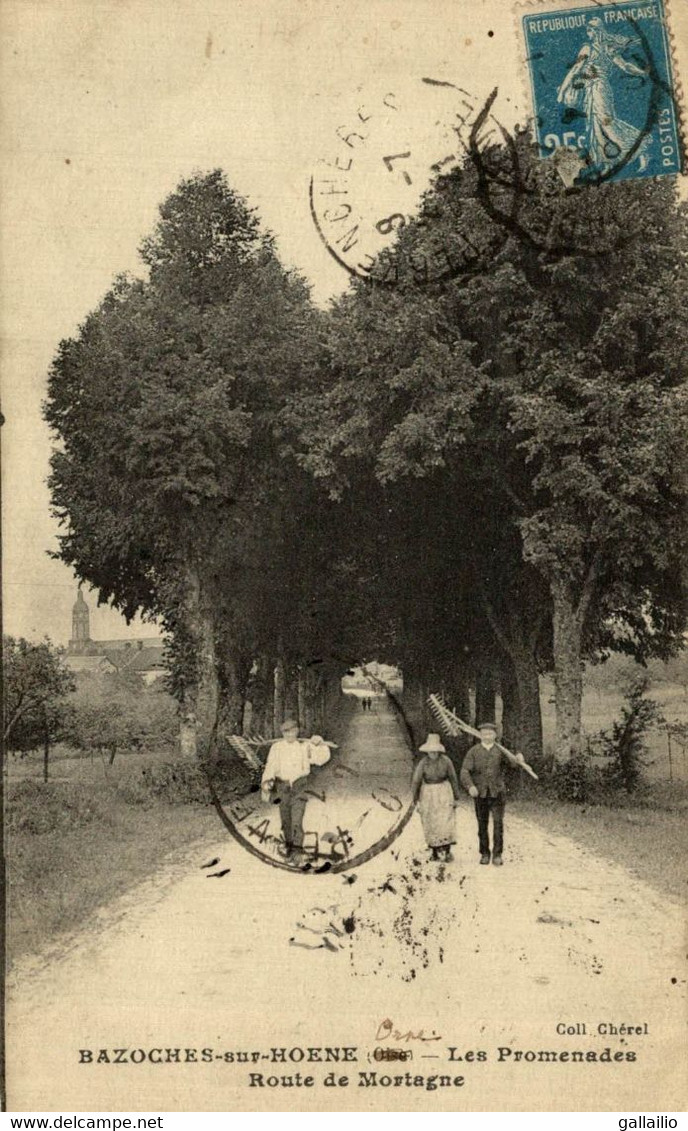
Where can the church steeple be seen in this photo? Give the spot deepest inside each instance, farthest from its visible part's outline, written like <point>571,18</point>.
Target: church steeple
<point>81,630</point>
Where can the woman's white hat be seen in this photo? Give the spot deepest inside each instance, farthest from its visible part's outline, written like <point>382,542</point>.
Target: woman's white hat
<point>432,743</point>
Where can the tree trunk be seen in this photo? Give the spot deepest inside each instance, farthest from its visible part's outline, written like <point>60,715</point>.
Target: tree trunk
<point>291,690</point>
<point>113,755</point>
<point>458,690</point>
<point>309,684</point>
<point>46,754</point>
<point>529,731</point>
<point>262,694</point>
<point>517,632</point>
<point>511,707</point>
<point>301,697</point>
<point>485,695</point>
<point>200,625</point>
<point>233,679</point>
<point>279,695</point>
<point>568,671</point>
<point>454,687</point>
<point>414,703</point>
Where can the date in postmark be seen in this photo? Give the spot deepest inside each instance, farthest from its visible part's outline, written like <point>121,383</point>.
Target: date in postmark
<point>602,88</point>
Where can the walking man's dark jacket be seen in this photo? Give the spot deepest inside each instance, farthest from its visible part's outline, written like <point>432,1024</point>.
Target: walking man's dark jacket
<point>483,769</point>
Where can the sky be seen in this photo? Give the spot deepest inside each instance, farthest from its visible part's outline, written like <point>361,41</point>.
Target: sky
<point>108,105</point>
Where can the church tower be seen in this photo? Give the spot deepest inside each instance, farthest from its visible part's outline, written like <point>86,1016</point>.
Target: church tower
<point>81,631</point>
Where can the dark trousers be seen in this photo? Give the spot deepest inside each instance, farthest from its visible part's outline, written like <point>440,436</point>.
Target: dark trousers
<point>483,807</point>
<point>292,808</point>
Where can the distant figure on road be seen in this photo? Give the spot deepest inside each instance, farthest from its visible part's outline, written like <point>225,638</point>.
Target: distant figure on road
<point>481,775</point>
<point>285,778</point>
<point>436,788</point>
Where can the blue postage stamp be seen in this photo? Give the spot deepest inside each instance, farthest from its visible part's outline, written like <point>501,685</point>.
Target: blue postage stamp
<point>602,88</point>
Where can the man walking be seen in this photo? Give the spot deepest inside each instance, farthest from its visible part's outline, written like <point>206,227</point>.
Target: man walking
<point>481,775</point>
<point>285,778</point>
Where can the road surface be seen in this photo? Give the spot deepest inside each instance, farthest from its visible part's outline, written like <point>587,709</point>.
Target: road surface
<point>399,954</point>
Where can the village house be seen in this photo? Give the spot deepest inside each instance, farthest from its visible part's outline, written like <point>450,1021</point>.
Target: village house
<point>93,657</point>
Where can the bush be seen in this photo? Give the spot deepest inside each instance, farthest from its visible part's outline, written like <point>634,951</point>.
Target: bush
<point>131,786</point>
<point>576,780</point>
<point>38,807</point>
<point>185,782</point>
<point>625,744</point>
<point>176,782</point>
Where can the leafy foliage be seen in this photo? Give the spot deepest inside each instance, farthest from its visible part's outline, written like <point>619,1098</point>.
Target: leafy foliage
<point>625,744</point>
<point>480,474</point>
<point>36,683</point>
<point>107,716</point>
<point>166,478</point>
<point>541,394</point>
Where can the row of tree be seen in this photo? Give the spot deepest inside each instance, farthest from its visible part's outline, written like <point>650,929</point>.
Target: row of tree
<point>479,478</point>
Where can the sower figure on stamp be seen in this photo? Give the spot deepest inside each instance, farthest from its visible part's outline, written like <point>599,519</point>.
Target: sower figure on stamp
<point>285,779</point>
<point>436,788</point>
<point>481,775</point>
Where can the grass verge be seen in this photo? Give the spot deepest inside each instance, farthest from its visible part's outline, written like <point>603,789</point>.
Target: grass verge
<point>651,843</point>
<point>57,879</point>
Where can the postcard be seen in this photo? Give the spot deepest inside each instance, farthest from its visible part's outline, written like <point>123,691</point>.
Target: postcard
<point>345,701</point>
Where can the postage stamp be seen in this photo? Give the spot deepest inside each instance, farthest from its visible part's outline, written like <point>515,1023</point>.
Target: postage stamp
<point>602,87</point>
<point>383,159</point>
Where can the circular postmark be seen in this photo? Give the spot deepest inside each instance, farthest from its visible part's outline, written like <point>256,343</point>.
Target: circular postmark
<point>384,157</point>
<point>394,144</point>
<point>348,813</point>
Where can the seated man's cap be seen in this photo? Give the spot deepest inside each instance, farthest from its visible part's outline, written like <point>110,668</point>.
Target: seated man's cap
<point>289,724</point>
<point>488,726</point>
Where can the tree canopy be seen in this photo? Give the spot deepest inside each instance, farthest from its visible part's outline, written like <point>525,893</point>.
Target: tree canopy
<point>543,396</point>
<point>480,478</point>
<point>36,686</point>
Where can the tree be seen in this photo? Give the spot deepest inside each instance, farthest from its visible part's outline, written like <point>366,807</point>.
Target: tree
<point>589,387</point>
<point>164,405</point>
<point>108,715</point>
<point>677,670</point>
<point>547,383</point>
<point>400,412</point>
<point>36,683</point>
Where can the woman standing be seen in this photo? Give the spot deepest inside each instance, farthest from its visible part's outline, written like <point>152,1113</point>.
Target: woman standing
<point>436,789</point>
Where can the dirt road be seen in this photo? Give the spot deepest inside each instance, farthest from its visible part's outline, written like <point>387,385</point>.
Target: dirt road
<point>399,954</point>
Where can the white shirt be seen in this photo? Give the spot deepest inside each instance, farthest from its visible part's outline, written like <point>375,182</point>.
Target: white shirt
<point>289,761</point>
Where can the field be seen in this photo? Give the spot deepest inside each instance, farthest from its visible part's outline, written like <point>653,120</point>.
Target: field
<point>667,759</point>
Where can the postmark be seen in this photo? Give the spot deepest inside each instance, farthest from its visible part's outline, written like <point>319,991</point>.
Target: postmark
<point>383,158</point>
<point>602,88</point>
<point>349,816</point>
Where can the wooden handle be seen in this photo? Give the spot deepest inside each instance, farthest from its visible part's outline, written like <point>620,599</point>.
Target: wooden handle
<point>453,724</point>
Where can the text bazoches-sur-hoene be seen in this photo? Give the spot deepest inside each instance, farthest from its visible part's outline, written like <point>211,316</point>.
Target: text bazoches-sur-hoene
<point>386,1067</point>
